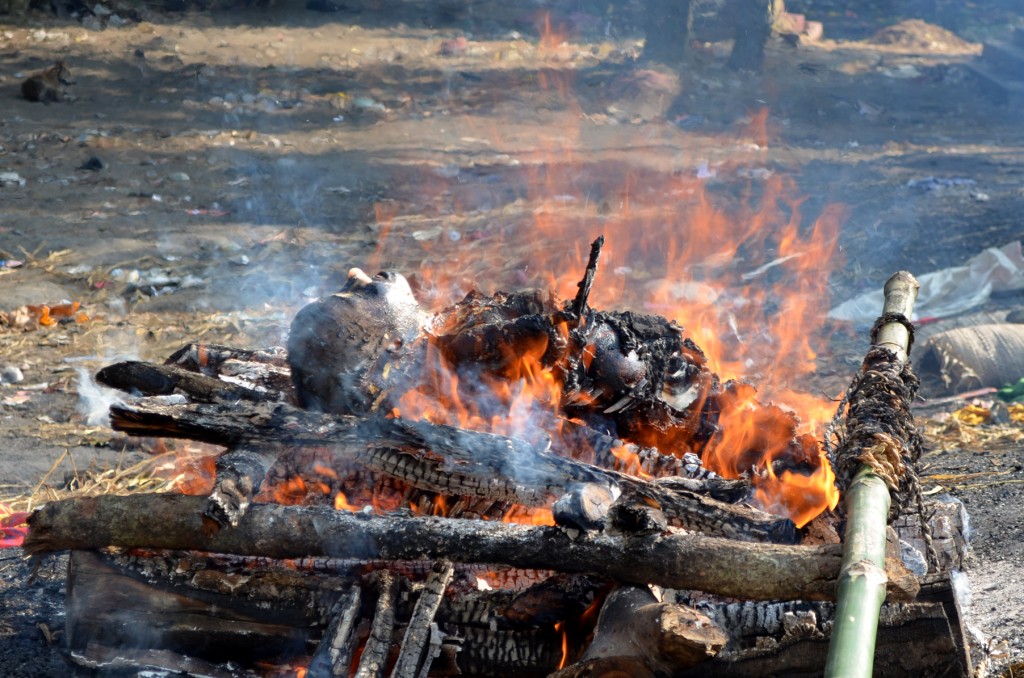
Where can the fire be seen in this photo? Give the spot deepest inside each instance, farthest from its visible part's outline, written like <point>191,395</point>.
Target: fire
<point>560,628</point>
<point>529,516</point>
<point>710,235</point>
<point>341,503</point>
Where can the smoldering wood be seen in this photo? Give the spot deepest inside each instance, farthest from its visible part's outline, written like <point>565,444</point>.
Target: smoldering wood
<point>148,379</point>
<point>413,655</point>
<point>724,566</point>
<point>239,475</point>
<point>373,661</point>
<point>333,655</point>
<point>579,303</point>
<point>485,461</point>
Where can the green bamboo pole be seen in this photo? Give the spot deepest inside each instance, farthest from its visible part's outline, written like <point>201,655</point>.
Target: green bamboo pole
<point>862,579</point>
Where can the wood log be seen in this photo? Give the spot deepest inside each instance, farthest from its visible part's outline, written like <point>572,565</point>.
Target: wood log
<point>504,468</point>
<point>724,566</point>
<point>149,379</point>
<point>373,661</point>
<point>791,638</point>
<point>333,655</point>
<point>414,656</point>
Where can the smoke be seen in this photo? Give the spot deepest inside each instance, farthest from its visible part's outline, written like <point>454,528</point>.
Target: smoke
<point>94,401</point>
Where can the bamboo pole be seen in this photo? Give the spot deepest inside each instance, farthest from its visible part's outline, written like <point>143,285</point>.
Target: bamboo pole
<point>862,579</point>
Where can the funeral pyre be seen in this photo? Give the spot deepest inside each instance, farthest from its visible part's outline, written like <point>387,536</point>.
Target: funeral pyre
<point>415,443</point>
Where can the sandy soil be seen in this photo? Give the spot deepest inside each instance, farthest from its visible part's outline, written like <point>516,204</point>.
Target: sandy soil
<point>249,159</point>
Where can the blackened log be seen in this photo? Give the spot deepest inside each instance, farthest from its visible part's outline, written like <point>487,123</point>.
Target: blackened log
<point>414,652</point>
<point>267,368</point>
<point>239,474</point>
<point>508,653</point>
<point>333,655</point>
<point>149,379</point>
<point>791,639</point>
<point>495,461</point>
<point>724,566</point>
<point>374,659</point>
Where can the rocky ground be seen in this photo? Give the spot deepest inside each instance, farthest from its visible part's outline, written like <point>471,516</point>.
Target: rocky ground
<point>209,172</point>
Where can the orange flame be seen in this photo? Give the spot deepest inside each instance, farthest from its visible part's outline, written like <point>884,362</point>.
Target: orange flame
<point>341,503</point>
<point>560,628</point>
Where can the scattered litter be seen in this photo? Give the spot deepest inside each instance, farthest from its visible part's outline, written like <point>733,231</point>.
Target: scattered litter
<point>453,46</point>
<point>179,176</point>
<point>902,72</point>
<point>368,104</point>
<point>980,196</point>
<point>972,415</point>
<point>31,316</point>
<point>204,212</point>
<point>949,291</point>
<point>11,374</point>
<point>11,263</point>
<point>18,398</point>
<point>933,184</point>
<point>427,233</point>
<point>240,260</point>
<point>13,527</point>
<point>11,179</point>
<point>155,281</point>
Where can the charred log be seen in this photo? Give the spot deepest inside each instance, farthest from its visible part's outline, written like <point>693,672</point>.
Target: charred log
<point>374,659</point>
<point>415,656</point>
<point>725,566</point>
<point>334,654</point>
<point>488,464</point>
<point>149,379</point>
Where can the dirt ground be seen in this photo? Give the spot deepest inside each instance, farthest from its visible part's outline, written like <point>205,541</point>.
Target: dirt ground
<point>209,172</point>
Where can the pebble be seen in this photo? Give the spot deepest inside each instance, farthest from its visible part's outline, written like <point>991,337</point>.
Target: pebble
<point>11,375</point>
<point>11,179</point>
<point>179,176</point>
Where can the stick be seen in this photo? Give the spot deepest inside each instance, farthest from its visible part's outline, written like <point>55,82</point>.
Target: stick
<point>334,654</point>
<point>149,379</point>
<point>375,653</point>
<point>417,633</point>
<point>579,304</point>
<point>672,560</point>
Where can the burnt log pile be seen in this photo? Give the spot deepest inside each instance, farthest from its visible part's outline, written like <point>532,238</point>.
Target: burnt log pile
<point>354,527</point>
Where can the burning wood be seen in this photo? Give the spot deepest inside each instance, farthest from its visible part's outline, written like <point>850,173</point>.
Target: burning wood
<point>609,424</point>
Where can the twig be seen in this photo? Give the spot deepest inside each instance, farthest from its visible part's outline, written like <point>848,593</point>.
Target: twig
<point>579,304</point>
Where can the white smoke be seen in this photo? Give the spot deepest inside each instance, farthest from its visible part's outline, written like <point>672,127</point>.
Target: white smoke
<point>94,401</point>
